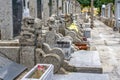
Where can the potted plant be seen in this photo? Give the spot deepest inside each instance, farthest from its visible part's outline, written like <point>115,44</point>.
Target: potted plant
<point>40,72</point>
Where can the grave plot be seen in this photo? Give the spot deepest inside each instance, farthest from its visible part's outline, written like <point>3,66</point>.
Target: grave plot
<point>86,61</point>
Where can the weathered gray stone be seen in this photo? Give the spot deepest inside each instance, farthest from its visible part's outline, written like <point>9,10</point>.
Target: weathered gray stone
<point>65,45</point>
<point>9,43</point>
<point>117,13</point>
<point>33,8</point>
<point>46,11</point>
<point>40,54</point>
<point>86,61</point>
<point>46,48</point>
<point>51,38</point>
<point>59,52</point>
<point>53,59</point>
<point>27,56</point>
<point>54,6</point>
<point>81,76</point>
<point>59,7</point>
<point>6,21</point>
<point>10,52</point>
<point>110,13</point>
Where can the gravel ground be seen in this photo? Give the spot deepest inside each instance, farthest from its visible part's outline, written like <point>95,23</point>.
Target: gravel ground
<point>107,43</point>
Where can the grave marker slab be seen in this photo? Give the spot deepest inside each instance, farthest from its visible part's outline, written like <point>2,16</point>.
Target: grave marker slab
<point>6,19</point>
<point>9,70</point>
<point>65,45</point>
<point>86,61</point>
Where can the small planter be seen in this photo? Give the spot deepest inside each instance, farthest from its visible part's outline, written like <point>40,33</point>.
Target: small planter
<point>40,72</point>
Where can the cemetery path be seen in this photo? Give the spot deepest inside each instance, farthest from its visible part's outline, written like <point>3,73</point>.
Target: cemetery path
<point>107,43</point>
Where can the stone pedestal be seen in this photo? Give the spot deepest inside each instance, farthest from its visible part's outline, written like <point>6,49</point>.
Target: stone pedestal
<point>27,56</point>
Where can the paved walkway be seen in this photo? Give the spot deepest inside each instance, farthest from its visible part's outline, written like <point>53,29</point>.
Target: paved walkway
<point>107,43</point>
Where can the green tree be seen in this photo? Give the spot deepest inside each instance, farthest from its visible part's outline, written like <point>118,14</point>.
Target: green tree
<point>97,3</point>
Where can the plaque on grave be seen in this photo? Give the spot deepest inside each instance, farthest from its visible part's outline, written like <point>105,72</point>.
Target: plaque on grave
<point>65,45</point>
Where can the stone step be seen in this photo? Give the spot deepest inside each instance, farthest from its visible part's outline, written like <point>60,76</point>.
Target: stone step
<point>86,61</point>
<point>81,76</point>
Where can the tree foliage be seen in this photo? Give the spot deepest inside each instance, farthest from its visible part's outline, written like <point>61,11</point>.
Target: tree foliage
<point>97,3</point>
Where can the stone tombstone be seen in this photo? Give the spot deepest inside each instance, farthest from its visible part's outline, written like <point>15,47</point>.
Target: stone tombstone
<point>65,7</point>
<point>65,45</point>
<point>39,8</point>
<point>6,19</point>
<point>110,10</point>
<point>27,56</point>
<point>70,5</point>
<point>46,10</point>
<point>59,7</point>
<point>17,16</point>
<point>117,13</point>
<point>50,7</point>
<point>106,11</point>
<point>103,10</point>
<point>78,8</point>
<point>33,8</point>
<point>54,6</point>
<point>51,38</point>
<point>73,6</point>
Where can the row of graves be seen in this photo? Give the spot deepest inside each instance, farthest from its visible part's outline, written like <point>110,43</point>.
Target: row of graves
<point>52,48</point>
<point>108,17</point>
<point>67,49</point>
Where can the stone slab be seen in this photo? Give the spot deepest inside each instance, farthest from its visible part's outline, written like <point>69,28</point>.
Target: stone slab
<point>86,61</point>
<point>9,70</point>
<point>81,76</point>
<point>9,42</point>
<point>6,21</point>
<point>10,52</point>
